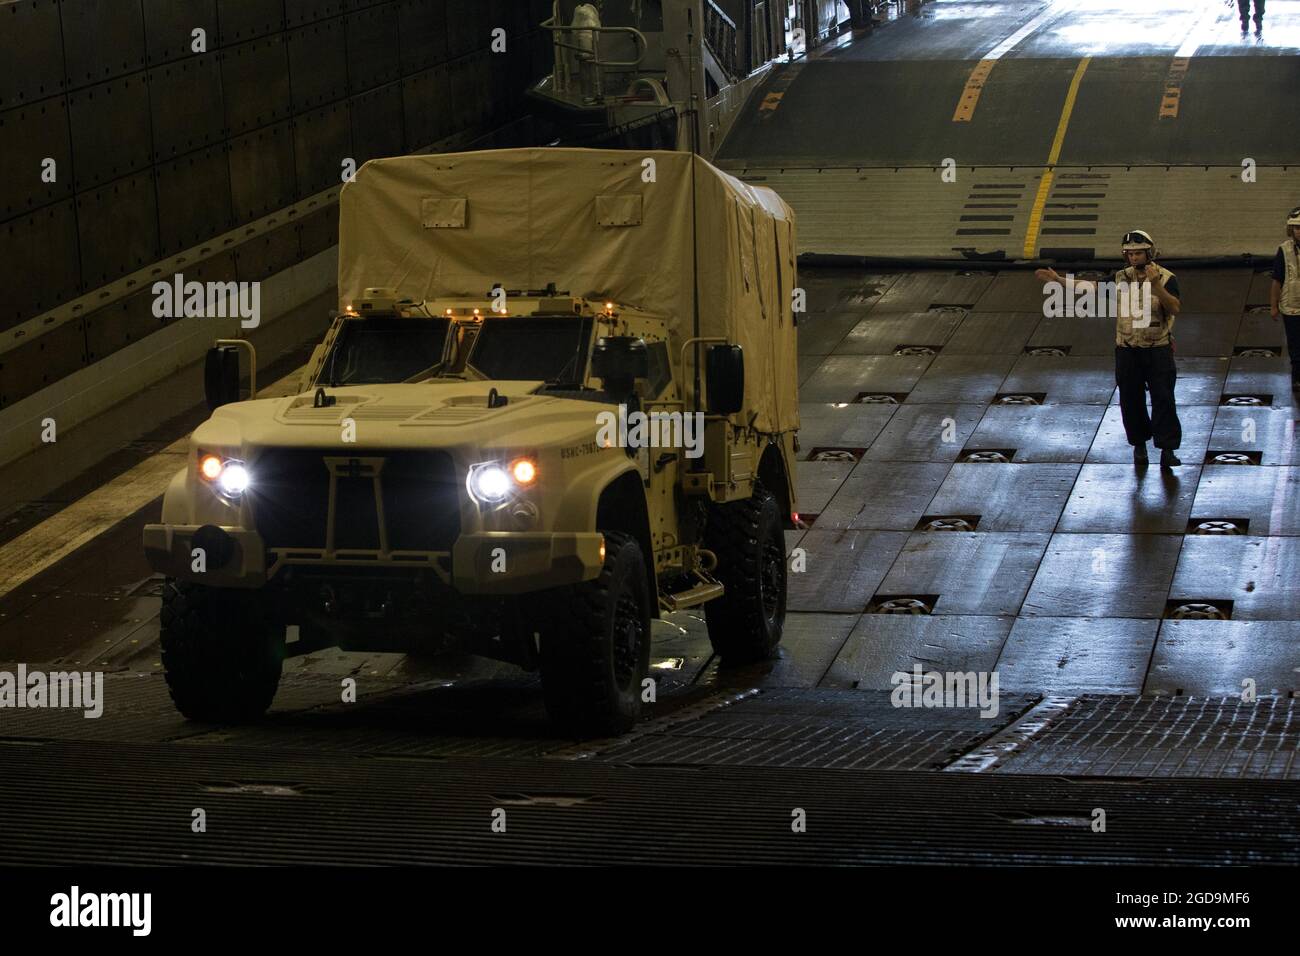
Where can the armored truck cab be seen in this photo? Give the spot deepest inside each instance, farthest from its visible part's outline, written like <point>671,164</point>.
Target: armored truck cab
<point>533,471</point>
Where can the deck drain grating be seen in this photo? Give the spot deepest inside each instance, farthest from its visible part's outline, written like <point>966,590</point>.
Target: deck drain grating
<point>1218,526</point>
<point>1230,457</point>
<point>996,456</point>
<point>1198,609</point>
<point>947,523</point>
<point>832,453</point>
<point>880,398</point>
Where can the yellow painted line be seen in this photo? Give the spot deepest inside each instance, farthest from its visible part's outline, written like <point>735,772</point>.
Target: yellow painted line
<point>1174,87</point>
<point>87,518</point>
<point>1045,185</point>
<point>771,101</point>
<point>970,94</point>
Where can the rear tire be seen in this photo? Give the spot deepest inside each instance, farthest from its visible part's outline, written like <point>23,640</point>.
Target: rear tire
<point>221,656</point>
<point>747,622</point>
<point>595,645</point>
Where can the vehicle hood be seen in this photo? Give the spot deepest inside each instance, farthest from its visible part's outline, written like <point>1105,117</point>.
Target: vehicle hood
<point>425,415</point>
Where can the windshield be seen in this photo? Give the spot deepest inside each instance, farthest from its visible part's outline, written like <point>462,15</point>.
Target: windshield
<point>389,350</point>
<point>526,348</point>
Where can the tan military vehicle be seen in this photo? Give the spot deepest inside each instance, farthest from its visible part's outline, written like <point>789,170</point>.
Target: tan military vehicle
<point>559,399</point>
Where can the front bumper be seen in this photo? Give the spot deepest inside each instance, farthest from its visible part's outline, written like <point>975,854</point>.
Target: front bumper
<point>489,562</point>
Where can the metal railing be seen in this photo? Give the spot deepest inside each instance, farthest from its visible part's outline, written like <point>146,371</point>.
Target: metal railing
<point>720,35</point>
<point>568,53</point>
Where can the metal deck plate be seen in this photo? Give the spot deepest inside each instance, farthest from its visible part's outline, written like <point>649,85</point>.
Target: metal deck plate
<point>1012,291</point>
<point>1104,575</point>
<point>818,481</point>
<point>820,333</point>
<point>1267,496</point>
<point>1261,576</point>
<point>1215,290</point>
<point>962,378</point>
<point>1084,336</point>
<point>1070,379</point>
<point>1260,328</point>
<point>1214,658</point>
<point>1270,430</point>
<point>1070,656</point>
<point>992,333</point>
<point>918,433</point>
<point>1007,497</point>
<point>918,291</point>
<point>840,378</point>
<point>850,425</point>
<point>843,569</point>
<point>1255,376</point>
<point>1111,445</point>
<point>986,573</point>
<point>880,333</point>
<point>882,645</point>
<point>1121,498</point>
<point>1199,331</point>
<point>887,495</point>
<point>1045,433</point>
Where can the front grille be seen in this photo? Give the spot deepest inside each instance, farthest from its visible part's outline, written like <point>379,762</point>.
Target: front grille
<point>290,500</point>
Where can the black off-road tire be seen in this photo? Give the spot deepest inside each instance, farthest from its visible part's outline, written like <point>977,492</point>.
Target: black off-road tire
<point>595,645</point>
<point>221,656</point>
<point>746,623</point>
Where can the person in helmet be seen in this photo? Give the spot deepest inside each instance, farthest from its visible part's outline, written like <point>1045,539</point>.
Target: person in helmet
<point>1284,295</point>
<point>1144,351</point>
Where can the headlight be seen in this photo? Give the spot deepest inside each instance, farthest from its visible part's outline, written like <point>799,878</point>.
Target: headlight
<point>234,479</point>
<point>229,475</point>
<point>492,482</point>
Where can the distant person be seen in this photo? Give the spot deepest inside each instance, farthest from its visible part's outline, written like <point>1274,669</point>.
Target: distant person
<point>1243,6</point>
<point>1144,351</point>
<point>1284,296</point>
<point>588,15</point>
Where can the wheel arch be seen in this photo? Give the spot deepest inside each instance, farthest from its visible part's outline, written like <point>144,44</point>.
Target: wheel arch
<point>777,479</point>
<point>622,507</point>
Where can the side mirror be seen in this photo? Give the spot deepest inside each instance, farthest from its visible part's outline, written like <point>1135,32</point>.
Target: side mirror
<point>725,367</point>
<point>221,376</point>
<point>620,360</point>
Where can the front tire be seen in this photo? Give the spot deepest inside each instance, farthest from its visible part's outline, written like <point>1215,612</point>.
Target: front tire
<point>595,645</point>
<point>747,622</point>
<point>221,656</point>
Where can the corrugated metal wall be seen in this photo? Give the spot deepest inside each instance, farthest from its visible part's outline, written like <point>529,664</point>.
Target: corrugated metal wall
<point>158,147</point>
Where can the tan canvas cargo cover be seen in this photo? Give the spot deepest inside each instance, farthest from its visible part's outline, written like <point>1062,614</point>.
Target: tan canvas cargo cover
<point>649,229</point>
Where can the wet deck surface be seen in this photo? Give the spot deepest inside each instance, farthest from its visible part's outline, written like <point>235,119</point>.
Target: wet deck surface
<point>1058,567</point>
<point>1064,586</point>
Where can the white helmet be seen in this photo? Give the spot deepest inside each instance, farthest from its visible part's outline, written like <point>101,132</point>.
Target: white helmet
<point>1293,217</point>
<point>1137,240</point>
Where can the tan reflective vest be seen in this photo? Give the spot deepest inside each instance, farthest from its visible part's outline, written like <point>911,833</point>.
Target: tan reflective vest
<point>1289,300</point>
<point>1133,329</point>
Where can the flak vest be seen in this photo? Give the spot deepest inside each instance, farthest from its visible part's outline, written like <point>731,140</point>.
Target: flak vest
<point>1133,329</point>
<point>1289,300</point>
